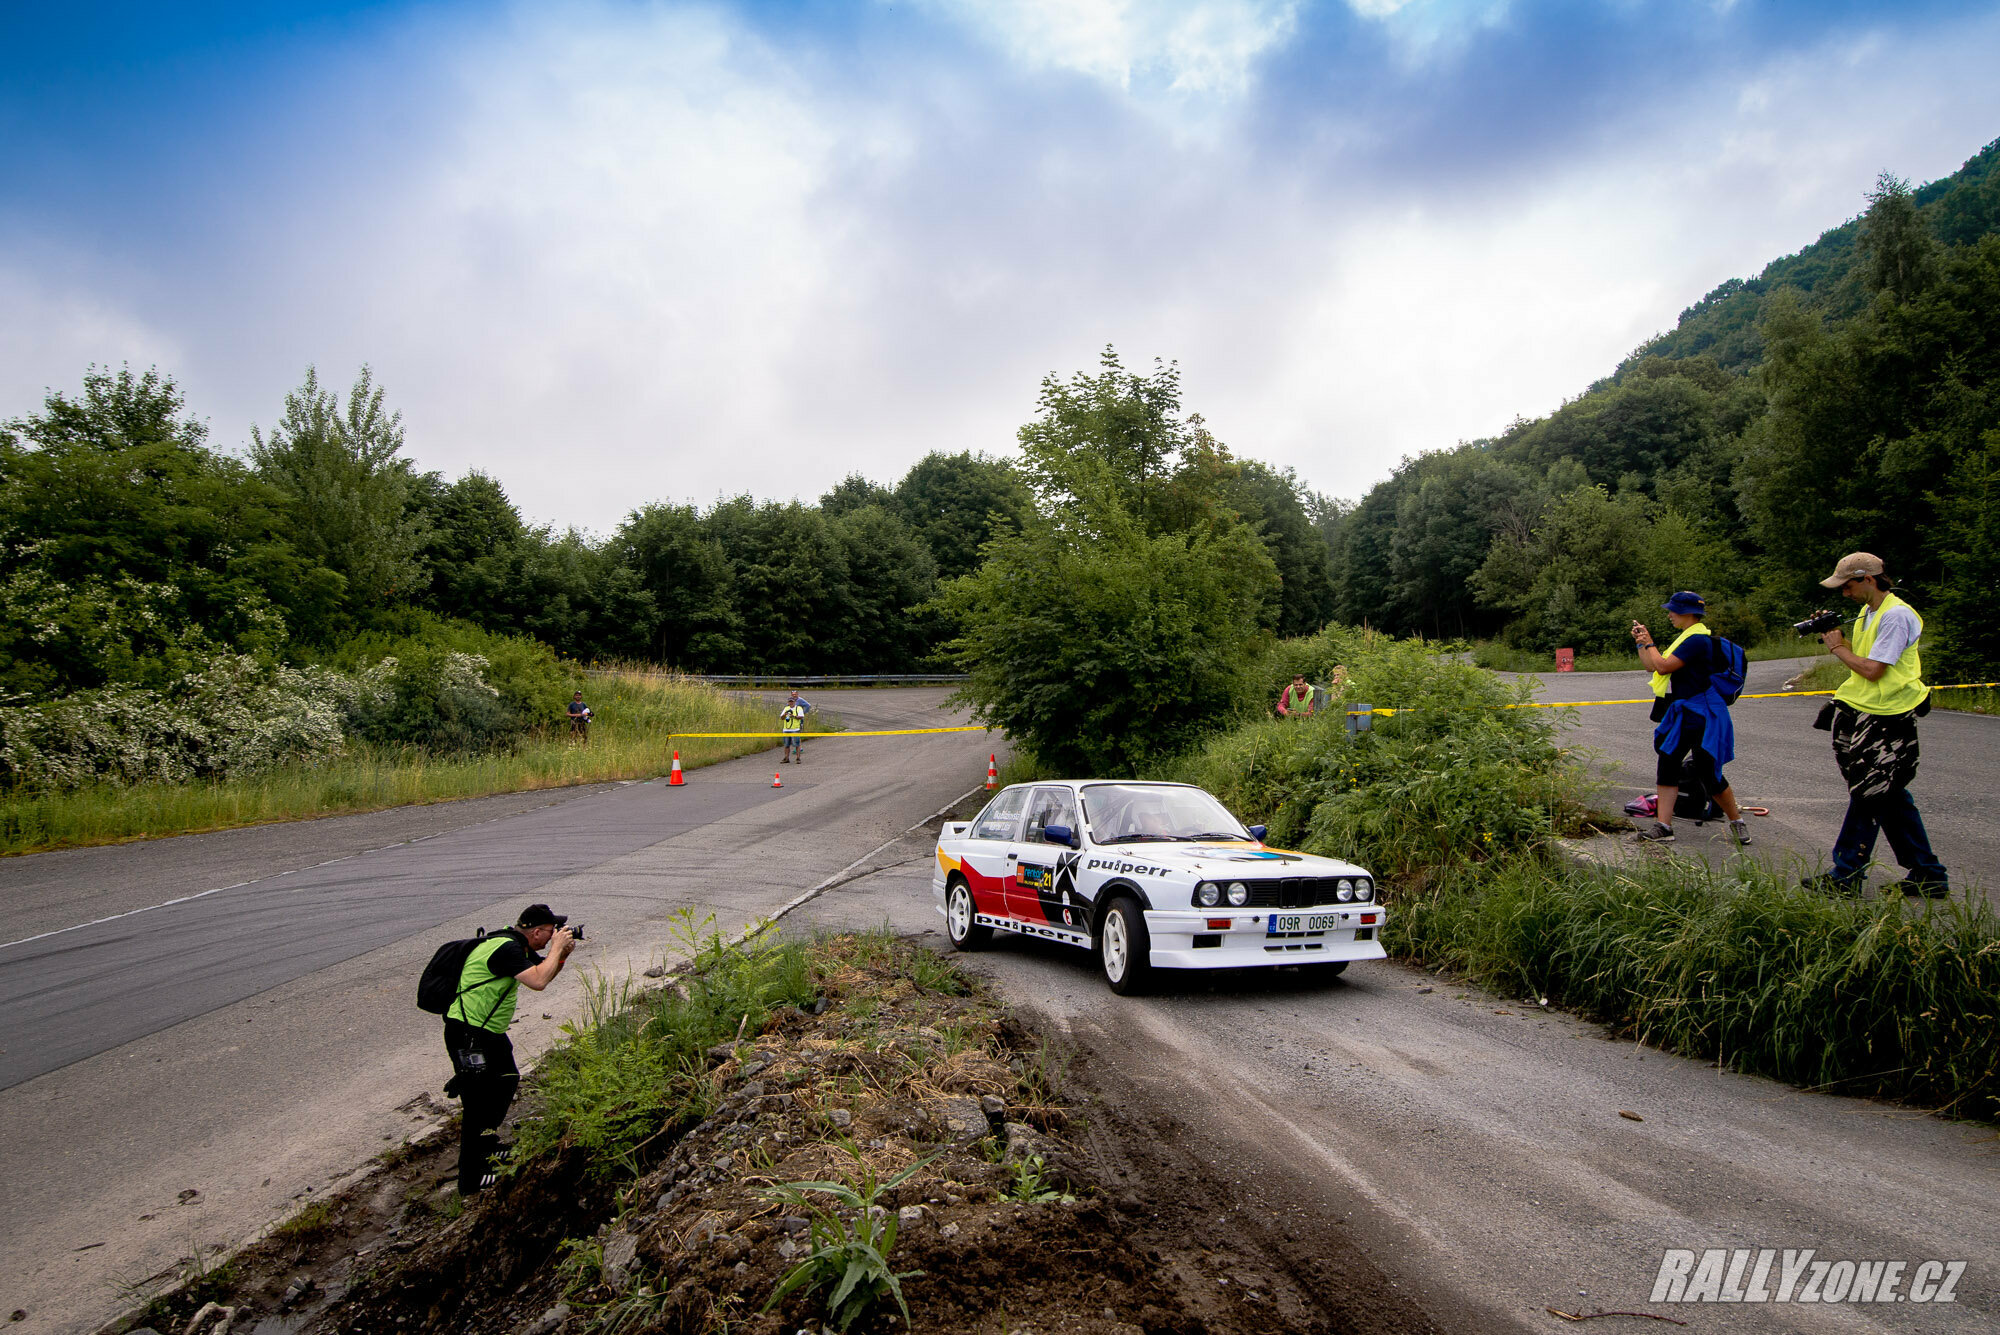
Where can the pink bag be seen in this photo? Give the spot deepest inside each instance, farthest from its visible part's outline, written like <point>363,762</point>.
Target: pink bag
<point>1649,805</point>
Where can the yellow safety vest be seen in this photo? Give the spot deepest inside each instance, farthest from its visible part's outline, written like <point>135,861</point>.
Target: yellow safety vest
<point>478,1004</point>
<point>791,718</point>
<point>1898,691</point>
<point>1663,682</point>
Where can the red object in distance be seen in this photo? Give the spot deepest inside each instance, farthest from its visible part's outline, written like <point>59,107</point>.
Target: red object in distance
<point>1565,660</point>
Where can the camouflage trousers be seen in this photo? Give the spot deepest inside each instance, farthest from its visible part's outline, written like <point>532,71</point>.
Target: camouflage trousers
<point>1877,753</point>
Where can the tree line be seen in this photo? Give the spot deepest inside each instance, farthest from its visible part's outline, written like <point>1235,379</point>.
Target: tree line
<point>132,553</point>
<point>1846,399</point>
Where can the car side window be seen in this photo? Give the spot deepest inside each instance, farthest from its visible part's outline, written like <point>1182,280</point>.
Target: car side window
<point>1002,816</point>
<point>1050,806</point>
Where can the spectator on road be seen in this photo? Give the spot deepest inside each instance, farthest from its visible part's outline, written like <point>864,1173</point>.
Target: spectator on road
<point>792,722</point>
<point>475,1029</point>
<point>1694,737</point>
<point>579,717</point>
<point>1873,718</point>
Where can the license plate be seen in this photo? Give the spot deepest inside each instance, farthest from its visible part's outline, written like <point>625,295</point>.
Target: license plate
<point>1280,923</point>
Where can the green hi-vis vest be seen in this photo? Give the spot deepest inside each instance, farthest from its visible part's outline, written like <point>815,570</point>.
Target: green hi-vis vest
<point>1898,691</point>
<point>1296,700</point>
<point>1662,681</point>
<point>791,718</point>
<point>485,999</point>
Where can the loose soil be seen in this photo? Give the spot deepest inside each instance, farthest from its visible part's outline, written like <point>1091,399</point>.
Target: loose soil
<point>1025,1201</point>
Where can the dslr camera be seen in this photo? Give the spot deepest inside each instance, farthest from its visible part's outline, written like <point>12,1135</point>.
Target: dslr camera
<point>576,931</point>
<point>1819,623</point>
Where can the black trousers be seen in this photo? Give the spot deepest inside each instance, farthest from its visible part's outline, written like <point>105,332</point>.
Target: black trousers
<point>487,1093</point>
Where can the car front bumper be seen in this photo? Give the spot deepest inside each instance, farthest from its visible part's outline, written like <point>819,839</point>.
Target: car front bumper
<point>1241,939</point>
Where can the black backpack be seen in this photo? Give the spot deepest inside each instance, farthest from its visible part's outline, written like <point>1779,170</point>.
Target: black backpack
<point>438,988</point>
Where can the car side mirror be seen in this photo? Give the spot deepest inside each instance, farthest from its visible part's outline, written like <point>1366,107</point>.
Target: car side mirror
<point>1257,832</point>
<point>1061,834</point>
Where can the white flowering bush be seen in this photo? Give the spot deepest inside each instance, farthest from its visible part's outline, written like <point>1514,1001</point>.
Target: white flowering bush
<point>232,716</point>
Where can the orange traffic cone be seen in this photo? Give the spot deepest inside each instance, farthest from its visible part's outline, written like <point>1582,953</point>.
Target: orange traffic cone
<point>776,782</point>
<point>992,771</point>
<point>675,780</point>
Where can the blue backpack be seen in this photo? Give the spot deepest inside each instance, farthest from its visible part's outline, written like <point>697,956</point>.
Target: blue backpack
<point>1731,663</point>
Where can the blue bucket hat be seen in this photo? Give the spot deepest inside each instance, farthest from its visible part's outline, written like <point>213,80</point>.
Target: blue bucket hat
<point>1686,603</point>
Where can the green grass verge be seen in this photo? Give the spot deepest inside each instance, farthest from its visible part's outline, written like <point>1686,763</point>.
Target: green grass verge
<point>630,738</point>
<point>1870,997</point>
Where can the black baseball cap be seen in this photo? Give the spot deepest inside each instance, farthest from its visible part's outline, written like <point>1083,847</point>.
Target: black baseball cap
<point>539,915</point>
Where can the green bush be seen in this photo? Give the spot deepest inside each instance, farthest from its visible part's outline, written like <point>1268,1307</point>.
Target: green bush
<point>456,689</point>
<point>1455,775</point>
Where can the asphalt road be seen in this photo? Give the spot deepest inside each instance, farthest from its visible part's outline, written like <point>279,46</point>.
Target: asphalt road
<point>203,1031</point>
<point>1782,763</point>
<point>1476,1149</point>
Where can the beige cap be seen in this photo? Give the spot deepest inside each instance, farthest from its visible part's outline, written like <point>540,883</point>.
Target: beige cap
<point>1853,566</point>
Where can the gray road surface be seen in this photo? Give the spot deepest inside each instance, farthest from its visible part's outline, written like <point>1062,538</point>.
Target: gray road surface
<point>1782,763</point>
<point>1475,1147</point>
<point>250,1045</point>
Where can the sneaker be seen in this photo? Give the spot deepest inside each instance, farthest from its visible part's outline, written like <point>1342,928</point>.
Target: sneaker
<point>1933,889</point>
<point>1661,833</point>
<point>1739,830</point>
<point>1826,883</point>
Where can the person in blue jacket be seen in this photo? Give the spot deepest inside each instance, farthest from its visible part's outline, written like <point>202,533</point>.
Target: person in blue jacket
<point>1694,737</point>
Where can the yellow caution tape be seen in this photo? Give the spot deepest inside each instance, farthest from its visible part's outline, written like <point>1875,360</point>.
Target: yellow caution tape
<point>1647,700</point>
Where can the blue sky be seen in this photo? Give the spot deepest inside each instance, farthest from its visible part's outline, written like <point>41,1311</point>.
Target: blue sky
<point>616,252</point>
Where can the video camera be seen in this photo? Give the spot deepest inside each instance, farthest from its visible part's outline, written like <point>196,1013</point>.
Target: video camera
<point>1819,623</point>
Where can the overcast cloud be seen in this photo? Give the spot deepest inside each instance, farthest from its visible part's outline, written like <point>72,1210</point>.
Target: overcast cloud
<point>615,253</point>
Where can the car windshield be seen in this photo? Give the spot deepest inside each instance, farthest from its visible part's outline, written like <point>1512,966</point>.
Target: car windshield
<point>1122,813</point>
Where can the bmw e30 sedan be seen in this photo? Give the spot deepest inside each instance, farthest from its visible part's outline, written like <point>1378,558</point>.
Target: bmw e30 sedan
<point>1148,876</point>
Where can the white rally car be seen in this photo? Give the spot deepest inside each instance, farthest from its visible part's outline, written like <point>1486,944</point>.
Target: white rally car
<point>1149,875</point>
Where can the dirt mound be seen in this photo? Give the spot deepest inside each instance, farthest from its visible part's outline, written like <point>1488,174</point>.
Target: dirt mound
<point>912,1128</point>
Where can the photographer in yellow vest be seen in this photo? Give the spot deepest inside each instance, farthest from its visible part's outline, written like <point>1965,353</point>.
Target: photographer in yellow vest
<point>475,1029</point>
<point>1873,718</point>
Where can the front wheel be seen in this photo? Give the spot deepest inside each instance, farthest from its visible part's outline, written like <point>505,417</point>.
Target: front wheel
<point>1125,948</point>
<point>959,923</point>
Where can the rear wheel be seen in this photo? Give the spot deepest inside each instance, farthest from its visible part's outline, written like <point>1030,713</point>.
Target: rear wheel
<point>1331,969</point>
<point>959,923</point>
<point>1125,948</point>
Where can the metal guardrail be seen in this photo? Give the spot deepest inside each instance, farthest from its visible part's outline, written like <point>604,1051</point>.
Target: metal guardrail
<point>783,679</point>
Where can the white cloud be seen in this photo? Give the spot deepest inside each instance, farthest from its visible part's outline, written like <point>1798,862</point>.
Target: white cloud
<point>618,256</point>
<point>1203,48</point>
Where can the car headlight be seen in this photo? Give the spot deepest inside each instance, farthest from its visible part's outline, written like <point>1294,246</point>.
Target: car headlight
<point>1239,893</point>
<point>1344,889</point>
<point>1207,894</point>
<point>1364,889</point>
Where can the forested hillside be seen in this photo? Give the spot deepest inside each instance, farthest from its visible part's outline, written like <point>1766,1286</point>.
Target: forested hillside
<point>1846,398</point>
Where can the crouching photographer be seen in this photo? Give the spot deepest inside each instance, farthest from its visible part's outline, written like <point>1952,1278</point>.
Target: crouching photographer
<point>1873,718</point>
<point>475,1029</point>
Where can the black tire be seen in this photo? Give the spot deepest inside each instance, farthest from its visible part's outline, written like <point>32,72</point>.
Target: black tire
<point>1125,948</point>
<point>959,927</point>
<point>1326,972</point>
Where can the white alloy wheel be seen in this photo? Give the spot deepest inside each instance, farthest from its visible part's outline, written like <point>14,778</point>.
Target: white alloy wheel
<point>959,923</point>
<point>1124,948</point>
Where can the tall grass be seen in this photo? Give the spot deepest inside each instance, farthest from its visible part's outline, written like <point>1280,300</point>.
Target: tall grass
<point>1738,967</point>
<point>631,737</point>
